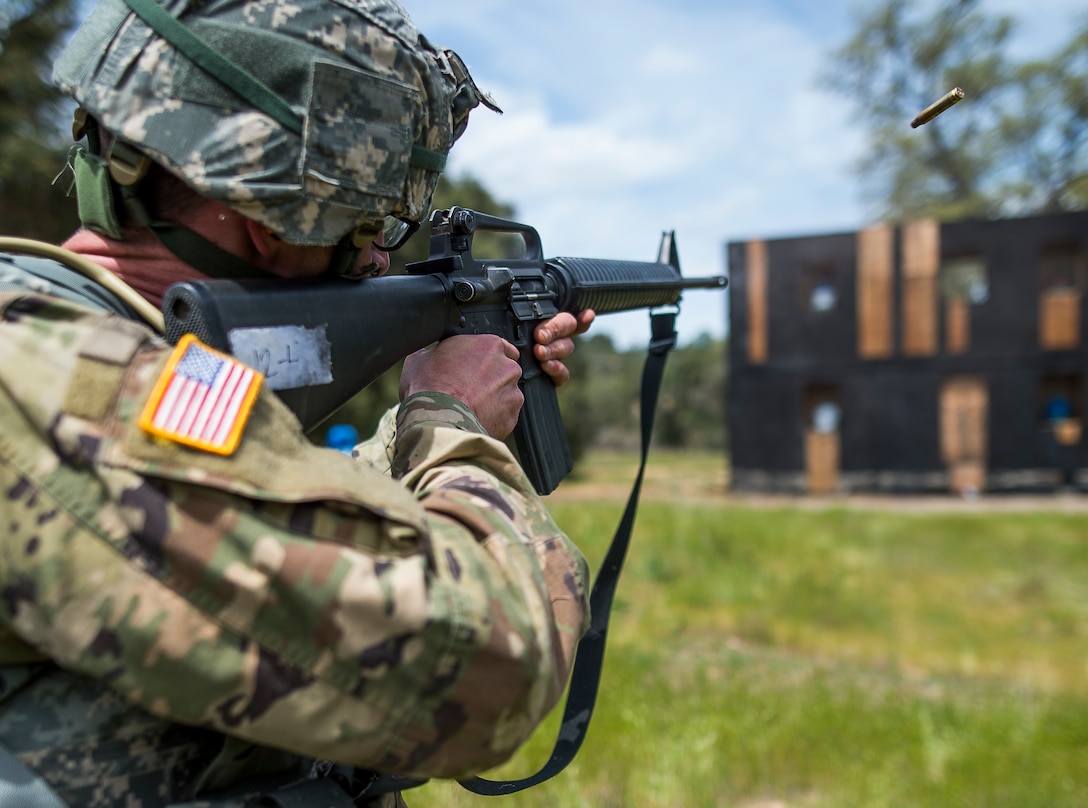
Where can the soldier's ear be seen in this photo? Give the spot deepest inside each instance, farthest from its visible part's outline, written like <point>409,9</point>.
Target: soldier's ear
<point>267,243</point>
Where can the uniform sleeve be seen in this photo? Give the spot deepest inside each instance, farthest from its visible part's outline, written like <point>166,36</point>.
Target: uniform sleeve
<point>287,594</point>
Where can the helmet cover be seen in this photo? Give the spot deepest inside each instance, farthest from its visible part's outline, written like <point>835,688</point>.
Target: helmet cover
<point>369,92</point>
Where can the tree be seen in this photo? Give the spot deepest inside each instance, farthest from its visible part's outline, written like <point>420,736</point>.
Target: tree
<point>32,141</point>
<point>690,412</point>
<point>601,408</point>
<point>1050,134</point>
<point>597,405</point>
<point>1016,146</point>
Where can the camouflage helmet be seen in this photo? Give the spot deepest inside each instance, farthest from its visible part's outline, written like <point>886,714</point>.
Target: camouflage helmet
<point>316,118</point>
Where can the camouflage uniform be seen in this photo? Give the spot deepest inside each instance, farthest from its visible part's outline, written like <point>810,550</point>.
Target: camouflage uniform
<point>170,618</point>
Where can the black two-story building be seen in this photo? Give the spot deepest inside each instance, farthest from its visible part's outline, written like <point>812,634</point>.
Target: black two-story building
<point>923,357</point>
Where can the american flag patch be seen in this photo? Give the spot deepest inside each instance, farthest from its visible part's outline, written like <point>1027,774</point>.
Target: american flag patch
<point>202,398</point>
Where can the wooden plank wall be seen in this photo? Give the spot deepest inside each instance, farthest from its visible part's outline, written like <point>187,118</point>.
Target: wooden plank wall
<point>1059,319</point>
<point>921,261</point>
<point>964,423</point>
<point>756,263</point>
<point>875,258</point>
<point>822,461</point>
<point>957,324</point>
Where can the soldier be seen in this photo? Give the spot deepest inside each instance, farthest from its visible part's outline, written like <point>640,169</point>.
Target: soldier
<point>197,605</point>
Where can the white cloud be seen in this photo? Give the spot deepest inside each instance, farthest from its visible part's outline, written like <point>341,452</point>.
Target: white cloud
<point>527,153</point>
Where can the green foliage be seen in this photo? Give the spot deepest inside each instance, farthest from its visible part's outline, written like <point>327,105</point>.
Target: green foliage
<point>577,400</point>
<point>691,411</point>
<point>1048,134</point>
<point>827,656</point>
<point>32,144</point>
<point>601,405</point>
<point>1014,146</point>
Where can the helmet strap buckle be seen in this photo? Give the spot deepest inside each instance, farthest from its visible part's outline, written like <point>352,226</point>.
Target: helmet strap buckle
<point>100,182</point>
<point>95,193</point>
<point>128,165</point>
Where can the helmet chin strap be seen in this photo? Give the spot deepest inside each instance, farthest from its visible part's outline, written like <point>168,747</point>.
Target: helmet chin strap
<point>201,254</point>
<point>345,261</point>
<point>345,257</point>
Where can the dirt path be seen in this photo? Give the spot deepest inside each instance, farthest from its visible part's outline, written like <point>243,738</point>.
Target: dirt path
<point>1010,503</point>
<point>672,484</point>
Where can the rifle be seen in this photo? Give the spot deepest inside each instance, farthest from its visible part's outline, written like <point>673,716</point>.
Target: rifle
<point>318,343</point>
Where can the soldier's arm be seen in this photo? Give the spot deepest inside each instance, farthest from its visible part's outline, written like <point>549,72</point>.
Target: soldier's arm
<point>287,594</point>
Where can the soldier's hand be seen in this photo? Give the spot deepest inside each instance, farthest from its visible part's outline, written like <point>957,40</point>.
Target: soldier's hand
<point>555,343</point>
<point>480,370</point>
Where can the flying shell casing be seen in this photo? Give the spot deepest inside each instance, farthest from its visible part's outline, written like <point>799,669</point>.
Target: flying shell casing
<point>953,96</point>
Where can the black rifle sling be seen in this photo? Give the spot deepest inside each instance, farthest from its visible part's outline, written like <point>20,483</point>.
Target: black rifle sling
<point>586,676</point>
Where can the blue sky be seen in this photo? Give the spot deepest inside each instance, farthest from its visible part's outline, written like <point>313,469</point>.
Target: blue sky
<point>624,119</point>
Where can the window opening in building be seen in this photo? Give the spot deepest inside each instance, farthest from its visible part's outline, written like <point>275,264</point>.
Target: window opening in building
<point>823,408</point>
<point>1061,407</point>
<point>820,291</point>
<point>964,277</point>
<point>1062,267</point>
<point>823,420</point>
<point>963,284</point>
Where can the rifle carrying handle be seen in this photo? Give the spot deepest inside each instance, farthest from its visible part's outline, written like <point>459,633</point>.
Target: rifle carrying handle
<point>539,439</point>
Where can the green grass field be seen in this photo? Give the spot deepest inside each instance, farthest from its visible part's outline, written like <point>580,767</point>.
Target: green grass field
<point>791,656</point>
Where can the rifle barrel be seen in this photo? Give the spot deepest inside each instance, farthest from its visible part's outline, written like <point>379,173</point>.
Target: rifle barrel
<point>710,282</point>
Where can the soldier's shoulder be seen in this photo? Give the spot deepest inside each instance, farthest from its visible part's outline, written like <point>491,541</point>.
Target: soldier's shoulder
<point>22,273</point>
